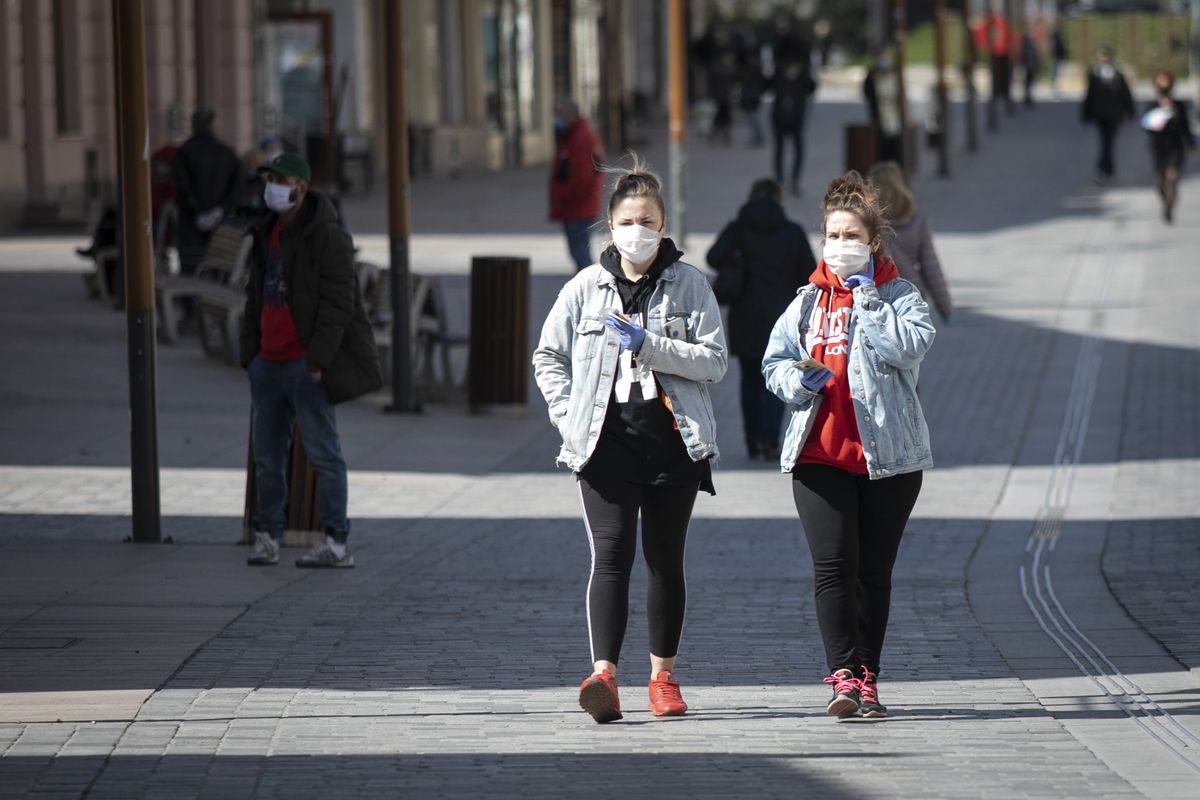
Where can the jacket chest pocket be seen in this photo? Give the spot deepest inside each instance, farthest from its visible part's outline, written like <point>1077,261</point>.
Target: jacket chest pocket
<point>679,325</point>
<point>589,334</point>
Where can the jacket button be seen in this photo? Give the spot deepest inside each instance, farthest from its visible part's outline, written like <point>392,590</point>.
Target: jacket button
<point>866,417</point>
<point>872,444</point>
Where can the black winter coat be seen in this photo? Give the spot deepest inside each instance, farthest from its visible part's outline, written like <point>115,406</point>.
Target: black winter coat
<point>207,175</point>
<point>777,260</point>
<point>1108,98</point>
<point>323,297</point>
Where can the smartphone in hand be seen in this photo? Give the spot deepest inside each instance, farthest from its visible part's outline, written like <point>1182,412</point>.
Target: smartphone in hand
<point>809,363</point>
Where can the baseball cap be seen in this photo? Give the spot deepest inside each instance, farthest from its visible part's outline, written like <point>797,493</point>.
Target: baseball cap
<point>288,165</point>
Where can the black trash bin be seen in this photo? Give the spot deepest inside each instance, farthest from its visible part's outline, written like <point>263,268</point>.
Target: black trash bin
<point>862,147</point>
<point>498,361</point>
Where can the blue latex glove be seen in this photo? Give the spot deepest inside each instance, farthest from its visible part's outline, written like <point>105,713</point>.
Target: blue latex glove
<point>862,278</point>
<point>631,334</point>
<point>815,379</point>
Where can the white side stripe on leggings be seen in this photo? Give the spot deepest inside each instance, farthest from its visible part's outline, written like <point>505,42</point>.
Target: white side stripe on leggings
<point>591,575</point>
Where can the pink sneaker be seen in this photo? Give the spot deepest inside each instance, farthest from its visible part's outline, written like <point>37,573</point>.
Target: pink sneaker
<point>868,703</point>
<point>846,695</point>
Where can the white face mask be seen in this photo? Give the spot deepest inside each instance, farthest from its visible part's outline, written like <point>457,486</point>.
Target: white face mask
<point>278,197</point>
<point>846,257</point>
<point>636,242</point>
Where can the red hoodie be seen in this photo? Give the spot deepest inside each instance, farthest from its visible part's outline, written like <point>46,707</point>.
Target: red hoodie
<point>834,440</point>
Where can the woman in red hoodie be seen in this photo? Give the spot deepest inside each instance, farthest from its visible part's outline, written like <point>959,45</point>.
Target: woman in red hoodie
<point>845,356</point>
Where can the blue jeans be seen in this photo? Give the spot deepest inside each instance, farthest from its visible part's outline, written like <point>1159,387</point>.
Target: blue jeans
<point>579,242</point>
<point>284,392</point>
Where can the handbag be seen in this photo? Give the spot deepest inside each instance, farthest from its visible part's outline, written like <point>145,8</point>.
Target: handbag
<point>731,278</point>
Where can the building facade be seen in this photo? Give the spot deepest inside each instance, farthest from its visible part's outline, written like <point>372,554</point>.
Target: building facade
<point>481,80</point>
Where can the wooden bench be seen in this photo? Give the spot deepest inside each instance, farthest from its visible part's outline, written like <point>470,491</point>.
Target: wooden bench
<point>222,268</point>
<point>103,285</point>
<point>431,337</point>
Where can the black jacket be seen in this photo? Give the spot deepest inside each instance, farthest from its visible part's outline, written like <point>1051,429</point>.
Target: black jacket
<point>1108,97</point>
<point>207,174</point>
<point>777,260</point>
<point>323,297</point>
<point>792,93</point>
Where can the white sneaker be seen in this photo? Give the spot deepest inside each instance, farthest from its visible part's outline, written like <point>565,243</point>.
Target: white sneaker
<point>327,554</point>
<point>266,551</point>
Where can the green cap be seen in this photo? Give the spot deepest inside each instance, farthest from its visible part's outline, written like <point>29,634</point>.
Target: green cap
<point>288,165</point>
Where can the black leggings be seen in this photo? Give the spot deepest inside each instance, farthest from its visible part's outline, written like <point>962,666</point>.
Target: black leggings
<point>610,512</point>
<point>853,526</point>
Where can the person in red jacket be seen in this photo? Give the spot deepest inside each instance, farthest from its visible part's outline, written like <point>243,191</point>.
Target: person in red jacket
<point>575,180</point>
<point>846,357</point>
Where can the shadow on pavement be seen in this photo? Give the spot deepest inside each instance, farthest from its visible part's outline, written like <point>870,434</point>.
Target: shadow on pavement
<point>531,774</point>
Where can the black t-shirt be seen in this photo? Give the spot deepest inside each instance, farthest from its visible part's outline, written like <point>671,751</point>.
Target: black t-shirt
<point>639,441</point>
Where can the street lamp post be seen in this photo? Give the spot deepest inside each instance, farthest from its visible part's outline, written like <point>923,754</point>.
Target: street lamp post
<point>943,109</point>
<point>133,151</point>
<point>677,109</point>
<point>398,225</point>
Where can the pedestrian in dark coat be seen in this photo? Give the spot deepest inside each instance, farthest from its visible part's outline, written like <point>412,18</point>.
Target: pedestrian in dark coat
<point>1171,137</point>
<point>1031,65</point>
<point>306,344</point>
<point>774,258</point>
<point>910,241</point>
<point>207,176</point>
<point>1107,104</point>
<point>794,86</point>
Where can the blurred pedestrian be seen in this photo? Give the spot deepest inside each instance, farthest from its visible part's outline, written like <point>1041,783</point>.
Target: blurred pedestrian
<point>1107,104</point>
<point>761,258</point>
<point>722,78</point>
<point>909,243</point>
<point>624,362</point>
<point>752,83</point>
<point>1031,64</point>
<point>794,85</point>
<point>208,177</point>
<point>1058,54</point>
<point>1166,120</point>
<point>881,89</point>
<point>999,45</point>
<point>845,355</point>
<point>575,180</point>
<point>306,345</point>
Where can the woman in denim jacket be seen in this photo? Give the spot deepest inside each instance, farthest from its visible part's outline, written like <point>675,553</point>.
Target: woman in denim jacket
<point>624,360</point>
<point>845,356</point>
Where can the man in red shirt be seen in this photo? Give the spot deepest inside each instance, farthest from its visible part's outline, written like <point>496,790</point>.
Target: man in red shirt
<point>575,180</point>
<point>307,344</point>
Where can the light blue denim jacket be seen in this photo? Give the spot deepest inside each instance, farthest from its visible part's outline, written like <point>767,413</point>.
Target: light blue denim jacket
<point>576,358</point>
<point>890,332</point>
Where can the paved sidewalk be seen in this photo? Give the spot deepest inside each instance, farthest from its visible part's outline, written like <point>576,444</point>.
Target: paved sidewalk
<point>1045,638</point>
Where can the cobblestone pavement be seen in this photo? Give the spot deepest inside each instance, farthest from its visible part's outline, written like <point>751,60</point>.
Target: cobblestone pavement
<point>1044,638</point>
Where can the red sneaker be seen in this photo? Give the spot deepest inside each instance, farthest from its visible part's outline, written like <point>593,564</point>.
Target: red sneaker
<point>598,697</point>
<point>665,699</point>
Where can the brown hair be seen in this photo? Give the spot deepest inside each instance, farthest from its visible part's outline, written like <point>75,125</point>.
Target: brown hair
<point>1168,75</point>
<point>852,193</point>
<point>895,200</point>
<point>636,181</point>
